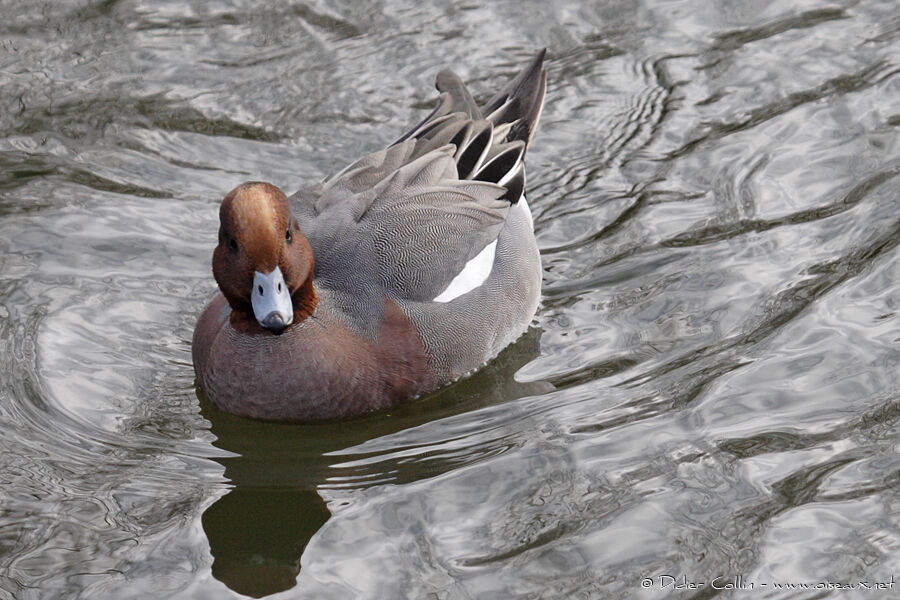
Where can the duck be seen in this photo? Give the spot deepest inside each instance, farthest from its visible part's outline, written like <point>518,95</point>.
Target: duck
<point>407,270</point>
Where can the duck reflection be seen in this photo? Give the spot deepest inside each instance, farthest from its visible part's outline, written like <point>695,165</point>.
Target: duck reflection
<point>258,536</point>
<point>258,531</point>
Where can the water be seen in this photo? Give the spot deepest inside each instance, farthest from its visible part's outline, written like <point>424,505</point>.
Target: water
<point>711,388</point>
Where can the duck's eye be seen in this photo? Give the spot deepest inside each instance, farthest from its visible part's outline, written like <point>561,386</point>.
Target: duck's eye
<point>232,243</point>
<point>288,236</point>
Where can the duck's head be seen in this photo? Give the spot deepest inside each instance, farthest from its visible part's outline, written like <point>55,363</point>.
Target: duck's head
<point>263,264</point>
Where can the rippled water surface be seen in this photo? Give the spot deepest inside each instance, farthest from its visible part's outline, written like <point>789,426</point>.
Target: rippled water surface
<point>711,388</point>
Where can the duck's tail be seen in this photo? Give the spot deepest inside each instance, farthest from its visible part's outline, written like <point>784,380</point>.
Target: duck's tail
<point>491,140</point>
<point>518,103</point>
<point>521,101</point>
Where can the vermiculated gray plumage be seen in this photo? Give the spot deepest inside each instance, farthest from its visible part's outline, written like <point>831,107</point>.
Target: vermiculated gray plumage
<point>412,215</point>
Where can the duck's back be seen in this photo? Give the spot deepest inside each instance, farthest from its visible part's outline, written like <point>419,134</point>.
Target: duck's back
<point>438,222</point>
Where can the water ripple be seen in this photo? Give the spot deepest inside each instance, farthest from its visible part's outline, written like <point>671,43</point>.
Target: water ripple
<point>709,388</point>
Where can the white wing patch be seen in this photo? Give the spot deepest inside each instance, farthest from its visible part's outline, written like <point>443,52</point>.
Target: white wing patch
<point>477,270</point>
<point>472,275</point>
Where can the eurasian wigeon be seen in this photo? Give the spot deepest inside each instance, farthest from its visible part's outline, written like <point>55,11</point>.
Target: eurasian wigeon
<point>408,269</point>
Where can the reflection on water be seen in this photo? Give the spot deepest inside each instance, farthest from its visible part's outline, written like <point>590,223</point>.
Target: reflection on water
<point>256,537</point>
<point>712,388</point>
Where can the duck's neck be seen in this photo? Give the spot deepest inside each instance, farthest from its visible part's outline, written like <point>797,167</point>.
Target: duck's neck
<point>304,300</point>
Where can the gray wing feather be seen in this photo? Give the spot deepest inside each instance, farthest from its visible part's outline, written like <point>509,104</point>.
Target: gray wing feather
<point>411,232</point>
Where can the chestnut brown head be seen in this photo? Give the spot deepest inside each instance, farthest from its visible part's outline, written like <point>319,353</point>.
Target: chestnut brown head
<point>263,264</point>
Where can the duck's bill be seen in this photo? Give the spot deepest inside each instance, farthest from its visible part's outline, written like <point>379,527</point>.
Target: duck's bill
<point>271,301</point>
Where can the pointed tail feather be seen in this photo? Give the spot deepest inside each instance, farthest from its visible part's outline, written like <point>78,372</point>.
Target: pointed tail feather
<point>520,101</point>
<point>488,148</point>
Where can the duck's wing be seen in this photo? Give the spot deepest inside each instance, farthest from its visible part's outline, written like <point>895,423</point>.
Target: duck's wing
<point>407,219</point>
<point>405,226</point>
